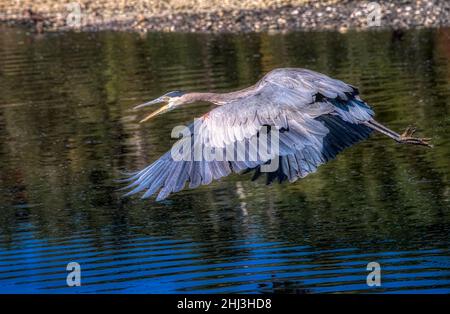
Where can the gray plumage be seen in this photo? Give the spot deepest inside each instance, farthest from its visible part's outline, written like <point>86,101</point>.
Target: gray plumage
<point>317,117</point>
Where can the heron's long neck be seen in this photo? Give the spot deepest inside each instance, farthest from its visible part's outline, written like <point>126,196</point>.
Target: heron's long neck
<point>209,97</point>
<point>220,98</point>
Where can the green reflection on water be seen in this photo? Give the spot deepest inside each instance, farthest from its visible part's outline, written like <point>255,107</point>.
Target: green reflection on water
<point>67,132</point>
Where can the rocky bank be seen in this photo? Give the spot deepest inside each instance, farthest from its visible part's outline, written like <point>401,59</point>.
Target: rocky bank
<point>223,16</point>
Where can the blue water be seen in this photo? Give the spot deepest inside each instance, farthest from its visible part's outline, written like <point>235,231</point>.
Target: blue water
<point>136,264</point>
<point>67,134</point>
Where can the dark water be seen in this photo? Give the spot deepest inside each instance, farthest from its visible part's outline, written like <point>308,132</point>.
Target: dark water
<point>67,132</point>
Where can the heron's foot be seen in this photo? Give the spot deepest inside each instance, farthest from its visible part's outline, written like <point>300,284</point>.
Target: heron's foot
<point>408,138</point>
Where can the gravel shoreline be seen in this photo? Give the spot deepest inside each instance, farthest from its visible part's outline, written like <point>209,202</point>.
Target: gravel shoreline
<point>224,16</point>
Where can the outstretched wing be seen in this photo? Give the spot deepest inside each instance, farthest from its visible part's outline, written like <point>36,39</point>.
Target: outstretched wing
<point>316,116</point>
<point>281,95</point>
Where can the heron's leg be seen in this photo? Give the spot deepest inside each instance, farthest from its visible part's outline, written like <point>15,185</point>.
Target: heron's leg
<point>404,138</point>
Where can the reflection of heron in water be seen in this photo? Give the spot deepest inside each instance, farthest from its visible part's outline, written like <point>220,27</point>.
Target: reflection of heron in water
<point>317,117</point>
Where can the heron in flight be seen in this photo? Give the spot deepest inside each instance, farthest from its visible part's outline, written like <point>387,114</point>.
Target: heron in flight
<point>316,116</point>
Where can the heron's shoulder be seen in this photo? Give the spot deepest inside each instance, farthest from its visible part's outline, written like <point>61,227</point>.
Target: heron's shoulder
<point>294,73</point>
<point>307,80</point>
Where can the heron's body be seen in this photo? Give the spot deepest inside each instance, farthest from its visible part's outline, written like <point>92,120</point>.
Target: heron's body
<point>317,117</point>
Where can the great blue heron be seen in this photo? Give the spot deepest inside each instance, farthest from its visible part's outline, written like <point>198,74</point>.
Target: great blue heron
<point>317,117</point>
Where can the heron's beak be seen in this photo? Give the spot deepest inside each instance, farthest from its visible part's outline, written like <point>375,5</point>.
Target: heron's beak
<point>149,103</point>
<point>161,110</point>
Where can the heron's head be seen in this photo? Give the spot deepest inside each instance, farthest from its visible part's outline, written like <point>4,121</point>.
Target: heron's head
<point>172,99</point>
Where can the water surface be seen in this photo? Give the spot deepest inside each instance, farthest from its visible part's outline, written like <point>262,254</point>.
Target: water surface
<point>67,133</point>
